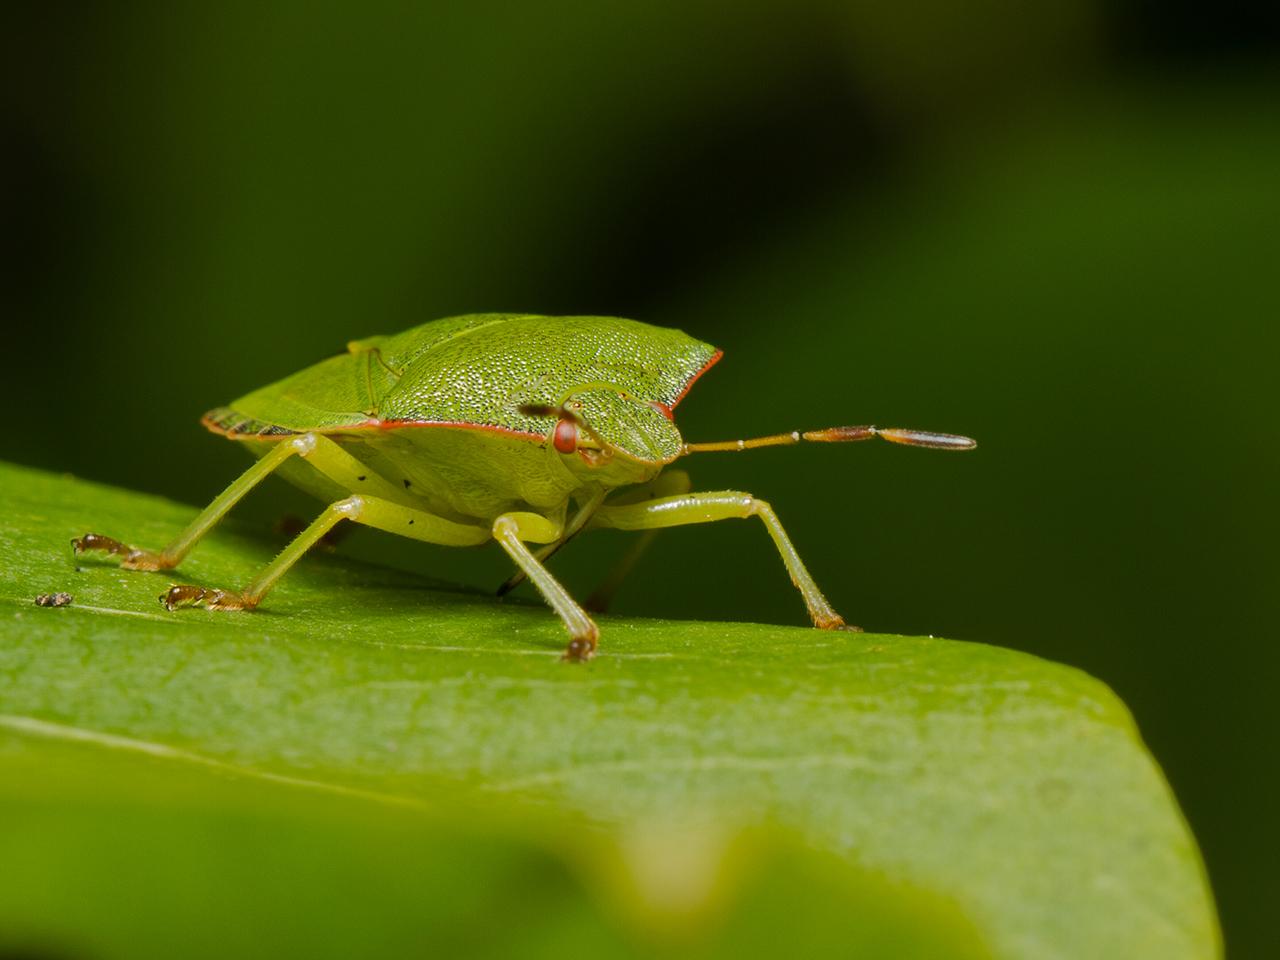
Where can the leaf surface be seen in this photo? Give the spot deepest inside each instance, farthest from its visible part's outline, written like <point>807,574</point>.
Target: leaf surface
<point>1011,792</point>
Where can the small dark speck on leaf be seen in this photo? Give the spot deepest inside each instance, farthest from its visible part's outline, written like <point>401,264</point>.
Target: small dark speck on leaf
<point>407,484</point>
<point>361,477</point>
<point>53,600</point>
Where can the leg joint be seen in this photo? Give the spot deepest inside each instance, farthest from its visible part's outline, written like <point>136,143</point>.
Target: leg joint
<point>351,508</point>
<point>304,444</point>
<point>528,527</point>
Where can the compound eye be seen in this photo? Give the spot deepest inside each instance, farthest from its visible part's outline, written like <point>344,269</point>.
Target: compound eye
<point>565,438</point>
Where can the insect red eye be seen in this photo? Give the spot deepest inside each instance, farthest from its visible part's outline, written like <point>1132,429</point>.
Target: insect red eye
<point>565,438</point>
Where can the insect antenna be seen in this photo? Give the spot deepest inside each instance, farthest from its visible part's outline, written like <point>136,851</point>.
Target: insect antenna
<point>910,438</point>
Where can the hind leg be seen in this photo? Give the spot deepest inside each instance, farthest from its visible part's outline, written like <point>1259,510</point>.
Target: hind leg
<point>370,511</point>
<point>316,449</point>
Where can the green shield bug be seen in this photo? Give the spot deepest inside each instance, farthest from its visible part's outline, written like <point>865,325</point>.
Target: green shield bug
<point>505,427</point>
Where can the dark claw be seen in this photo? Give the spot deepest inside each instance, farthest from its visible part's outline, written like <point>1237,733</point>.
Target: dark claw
<point>837,624</point>
<point>580,650</point>
<point>185,595</point>
<point>96,541</point>
<point>131,558</point>
<point>182,596</point>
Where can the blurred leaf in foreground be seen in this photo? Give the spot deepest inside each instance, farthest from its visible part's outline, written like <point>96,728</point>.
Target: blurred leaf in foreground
<point>958,788</point>
<point>119,854</point>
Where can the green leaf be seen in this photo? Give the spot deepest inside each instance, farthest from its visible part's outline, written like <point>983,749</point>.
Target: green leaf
<point>407,759</point>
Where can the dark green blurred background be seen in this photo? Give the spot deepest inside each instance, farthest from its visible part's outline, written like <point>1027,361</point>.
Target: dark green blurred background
<point>1053,229</point>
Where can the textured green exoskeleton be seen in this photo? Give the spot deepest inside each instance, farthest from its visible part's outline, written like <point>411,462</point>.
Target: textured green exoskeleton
<point>505,427</point>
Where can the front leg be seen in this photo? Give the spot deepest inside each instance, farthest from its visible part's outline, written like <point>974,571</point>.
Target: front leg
<point>724,505</point>
<point>670,483</point>
<point>571,530</point>
<point>512,530</point>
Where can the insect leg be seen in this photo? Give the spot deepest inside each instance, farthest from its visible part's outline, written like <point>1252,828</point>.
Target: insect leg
<point>669,483</point>
<point>133,558</point>
<point>571,530</point>
<point>318,450</point>
<point>511,530</point>
<point>370,511</point>
<point>723,505</point>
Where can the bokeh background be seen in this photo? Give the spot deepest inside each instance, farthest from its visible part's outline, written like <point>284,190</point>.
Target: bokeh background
<point>1051,226</point>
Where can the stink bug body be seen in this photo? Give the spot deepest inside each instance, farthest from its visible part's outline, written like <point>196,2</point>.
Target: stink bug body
<point>505,427</point>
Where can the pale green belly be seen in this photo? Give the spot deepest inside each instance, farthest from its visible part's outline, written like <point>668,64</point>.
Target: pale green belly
<point>462,474</point>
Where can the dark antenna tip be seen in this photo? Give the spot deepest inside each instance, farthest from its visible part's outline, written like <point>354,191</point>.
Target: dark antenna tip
<point>910,438</point>
<point>923,438</point>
